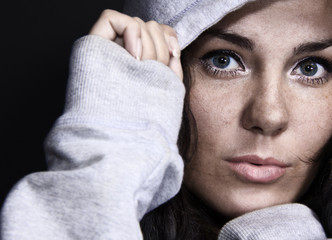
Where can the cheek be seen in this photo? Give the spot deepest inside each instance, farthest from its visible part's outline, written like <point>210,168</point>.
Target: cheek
<point>310,125</point>
<point>216,113</point>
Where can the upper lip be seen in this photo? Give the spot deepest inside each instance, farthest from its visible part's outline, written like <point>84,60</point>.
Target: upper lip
<point>253,159</point>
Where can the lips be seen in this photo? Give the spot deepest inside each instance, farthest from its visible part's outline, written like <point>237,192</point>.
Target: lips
<point>251,168</point>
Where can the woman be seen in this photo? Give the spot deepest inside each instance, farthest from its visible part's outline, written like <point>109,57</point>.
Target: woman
<point>254,137</point>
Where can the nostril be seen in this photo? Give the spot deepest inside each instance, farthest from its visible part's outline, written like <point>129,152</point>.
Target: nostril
<point>265,114</point>
<point>256,129</point>
<point>280,130</point>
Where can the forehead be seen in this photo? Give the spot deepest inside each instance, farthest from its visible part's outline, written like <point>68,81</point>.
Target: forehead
<point>283,19</point>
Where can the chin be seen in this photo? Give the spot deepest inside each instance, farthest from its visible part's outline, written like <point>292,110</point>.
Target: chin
<point>239,210</point>
<point>235,205</point>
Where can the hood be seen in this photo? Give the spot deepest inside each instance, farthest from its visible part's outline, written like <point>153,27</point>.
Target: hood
<point>189,18</point>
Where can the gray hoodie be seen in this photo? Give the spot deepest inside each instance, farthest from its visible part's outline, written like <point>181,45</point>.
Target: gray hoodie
<point>112,155</point>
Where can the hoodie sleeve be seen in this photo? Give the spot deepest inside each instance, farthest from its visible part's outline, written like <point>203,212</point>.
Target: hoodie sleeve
<point>112,155</point>
<point>288,221</point>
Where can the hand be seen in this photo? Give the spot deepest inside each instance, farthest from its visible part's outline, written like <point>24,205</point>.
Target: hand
<point>143,40</point>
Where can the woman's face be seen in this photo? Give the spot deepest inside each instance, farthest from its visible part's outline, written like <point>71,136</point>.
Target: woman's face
<point>262,101</point>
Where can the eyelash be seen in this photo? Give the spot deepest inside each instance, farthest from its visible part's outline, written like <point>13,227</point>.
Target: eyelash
<point>314,81</point>
<point>216,72</point>
<point>224,74</point>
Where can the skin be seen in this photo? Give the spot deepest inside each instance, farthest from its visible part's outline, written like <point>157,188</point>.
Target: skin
<point>265,108</point>
<point>143,40</point>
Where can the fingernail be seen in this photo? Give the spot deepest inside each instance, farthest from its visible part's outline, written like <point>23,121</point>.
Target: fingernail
<point>175,48</point>
<point>139,49</point>
<point>176,53</point>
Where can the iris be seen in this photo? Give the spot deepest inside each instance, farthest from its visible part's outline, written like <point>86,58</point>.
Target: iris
<point>221,61</point>
<point>308,68</point>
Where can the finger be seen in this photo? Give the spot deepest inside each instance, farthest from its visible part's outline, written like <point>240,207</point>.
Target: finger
<point>113,24</point>
<point>174,51</point>
<point>175,65</point>
<point>171,38</point>
<point>160,44</point>
<point>148,45</point>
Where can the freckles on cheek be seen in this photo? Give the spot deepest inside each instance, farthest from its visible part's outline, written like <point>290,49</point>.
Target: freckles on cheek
<point>212,111</point>
<point>216,121</point>
<point>313,124</point>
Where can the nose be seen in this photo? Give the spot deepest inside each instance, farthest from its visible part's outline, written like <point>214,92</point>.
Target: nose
<point>266,110</point>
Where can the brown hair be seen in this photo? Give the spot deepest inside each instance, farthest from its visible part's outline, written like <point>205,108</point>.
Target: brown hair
<point>187,217</point>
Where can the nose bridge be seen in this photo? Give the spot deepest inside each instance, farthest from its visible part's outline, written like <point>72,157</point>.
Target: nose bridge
<point>266,111</point>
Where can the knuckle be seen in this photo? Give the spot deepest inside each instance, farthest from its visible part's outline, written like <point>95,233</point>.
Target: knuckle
<point>155,25</point>
<point>169,30</point>
<point>107,13</point>
<point>140,23</point>
<point>136,25</point>
<point>138,20</point>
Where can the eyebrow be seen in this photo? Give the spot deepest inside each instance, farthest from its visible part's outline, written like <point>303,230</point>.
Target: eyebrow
<point>248,44</point>
<point>234,38</point>
<point>312,46</point>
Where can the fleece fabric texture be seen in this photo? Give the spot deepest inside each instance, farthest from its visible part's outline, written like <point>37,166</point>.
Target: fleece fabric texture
<point>189,18</point>
<point>113,157</point>
<point>289,221</point>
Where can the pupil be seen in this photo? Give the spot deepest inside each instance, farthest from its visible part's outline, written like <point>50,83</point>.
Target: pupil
<point>309,69</point>
<point>222,61</point>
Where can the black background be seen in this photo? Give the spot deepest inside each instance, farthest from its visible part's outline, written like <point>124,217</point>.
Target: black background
<point>36,39</point>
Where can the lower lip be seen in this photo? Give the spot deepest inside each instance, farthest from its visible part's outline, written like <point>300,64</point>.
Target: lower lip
<point>257,174</point>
